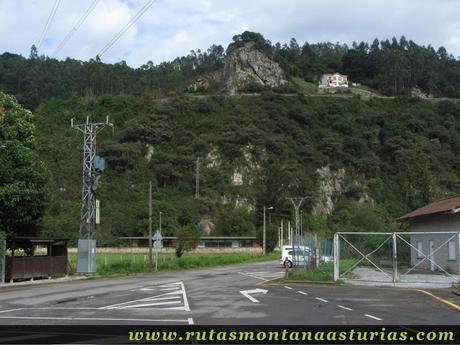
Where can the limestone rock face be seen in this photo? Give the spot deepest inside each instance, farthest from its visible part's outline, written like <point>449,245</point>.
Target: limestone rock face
<point>247,65</point>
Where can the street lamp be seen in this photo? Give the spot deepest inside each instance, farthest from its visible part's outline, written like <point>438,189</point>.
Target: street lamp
<point>264,247</point>
<point>160,221</point>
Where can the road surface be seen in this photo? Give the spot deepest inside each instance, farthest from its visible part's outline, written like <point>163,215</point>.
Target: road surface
<point>231,295</point>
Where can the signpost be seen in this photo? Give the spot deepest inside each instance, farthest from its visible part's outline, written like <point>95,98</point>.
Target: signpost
<point>157,245</point>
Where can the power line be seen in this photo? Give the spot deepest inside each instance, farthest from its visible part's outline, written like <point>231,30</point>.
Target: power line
<point>77,26</point>
<point>48,23</point>
<point>133,20</point>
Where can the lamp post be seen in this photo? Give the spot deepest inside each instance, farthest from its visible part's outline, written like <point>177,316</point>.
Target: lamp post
<point>160,221</point>
<point>264,247</point>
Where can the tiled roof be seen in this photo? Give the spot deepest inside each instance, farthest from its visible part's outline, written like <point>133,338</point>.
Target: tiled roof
<point>443,206</point>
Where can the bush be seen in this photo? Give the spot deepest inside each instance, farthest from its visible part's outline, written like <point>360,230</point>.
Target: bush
<point>188,237</point>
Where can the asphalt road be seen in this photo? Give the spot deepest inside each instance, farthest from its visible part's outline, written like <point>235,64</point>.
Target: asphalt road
<point>214,296</point>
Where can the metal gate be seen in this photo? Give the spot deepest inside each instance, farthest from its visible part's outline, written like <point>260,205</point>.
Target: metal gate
<point>398,258</point>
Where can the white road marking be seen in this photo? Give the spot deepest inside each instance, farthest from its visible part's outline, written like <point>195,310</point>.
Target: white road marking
<point>252,276</point>
<point>346,308</point>
<point>152,300</point>
<point>373,317</point>
<point>9,310</point>
<point>246,293</point>
<point>322,299</point>
<point>302,293</point>
<point>184,296</point>
<point>288,287</point>
<point>190,321</point>
<point>148,304</point>
<point>87,319</point>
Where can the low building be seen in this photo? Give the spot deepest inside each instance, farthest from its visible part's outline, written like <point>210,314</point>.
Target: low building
<point>333,81</point>
<point>434,227</point>
<point>205,241</point>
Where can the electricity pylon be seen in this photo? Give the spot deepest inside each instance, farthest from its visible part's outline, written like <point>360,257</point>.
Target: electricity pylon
<point>87,244</point>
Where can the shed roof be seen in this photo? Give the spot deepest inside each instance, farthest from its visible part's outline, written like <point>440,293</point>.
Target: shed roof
<point>444,206</point>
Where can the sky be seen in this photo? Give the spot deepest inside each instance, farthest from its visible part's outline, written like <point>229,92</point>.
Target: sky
<point>171,28</point>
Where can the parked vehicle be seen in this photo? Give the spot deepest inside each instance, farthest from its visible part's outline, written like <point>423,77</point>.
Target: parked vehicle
<point>301,256</point>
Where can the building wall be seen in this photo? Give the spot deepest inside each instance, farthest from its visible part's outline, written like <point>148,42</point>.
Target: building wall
<point>436,223</point>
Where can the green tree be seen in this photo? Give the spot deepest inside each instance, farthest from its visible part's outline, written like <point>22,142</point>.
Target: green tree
<point>235,222</point>
<point>188,237</point>
<point>23,175</point>
<point>271,237</point>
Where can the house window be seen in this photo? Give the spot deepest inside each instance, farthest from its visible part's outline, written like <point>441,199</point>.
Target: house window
<point>419,249</point>
<point>452,255</point>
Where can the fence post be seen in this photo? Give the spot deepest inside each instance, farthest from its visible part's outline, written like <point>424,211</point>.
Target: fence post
<point>458,254</point>
<point>395,259</point>
<point>336,257</point>
<point>3,258</point>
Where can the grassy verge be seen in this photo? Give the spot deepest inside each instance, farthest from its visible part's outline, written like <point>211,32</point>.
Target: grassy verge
<point>324,273</point>
<point>121,263</point>
<point>304,86</point>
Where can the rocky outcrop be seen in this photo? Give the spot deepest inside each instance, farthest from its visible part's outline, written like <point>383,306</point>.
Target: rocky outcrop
<point>247,65</point>
<point>331,183</point>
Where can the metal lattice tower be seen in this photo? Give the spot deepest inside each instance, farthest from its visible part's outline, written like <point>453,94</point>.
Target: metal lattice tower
<point>296,202</point>
<point>88,198</point>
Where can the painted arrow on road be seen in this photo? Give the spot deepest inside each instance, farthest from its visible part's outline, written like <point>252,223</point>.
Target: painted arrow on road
<point>246,293</point>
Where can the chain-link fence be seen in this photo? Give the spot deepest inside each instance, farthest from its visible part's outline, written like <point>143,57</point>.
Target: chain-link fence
<point>310,251</point>
<point>400,257</point>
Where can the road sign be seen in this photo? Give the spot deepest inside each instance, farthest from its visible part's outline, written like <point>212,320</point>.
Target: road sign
<point>157,236</point>
<point>157,245</point>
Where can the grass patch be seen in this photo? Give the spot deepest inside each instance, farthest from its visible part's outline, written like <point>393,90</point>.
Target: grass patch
<point>108,264</point>
<point>324,273</point>
<point>304,86</point>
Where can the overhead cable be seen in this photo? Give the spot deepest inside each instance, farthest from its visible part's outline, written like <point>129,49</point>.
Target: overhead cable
<point>48,23</point>
<point>133,20</point>
<point>77,26</point>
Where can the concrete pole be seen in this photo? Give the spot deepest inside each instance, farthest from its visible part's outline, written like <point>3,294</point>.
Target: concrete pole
<point>150,224</point>
<point>263,240</point>
<point>282,234</point>
<point>336,257</point>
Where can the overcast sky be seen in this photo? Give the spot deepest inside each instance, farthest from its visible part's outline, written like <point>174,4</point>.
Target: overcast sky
<point>172,28</point>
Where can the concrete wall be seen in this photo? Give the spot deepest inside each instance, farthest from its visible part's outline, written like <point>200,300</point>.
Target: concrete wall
<point>437,223</point>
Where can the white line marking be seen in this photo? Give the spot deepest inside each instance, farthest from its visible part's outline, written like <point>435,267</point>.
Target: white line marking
<point>288,287</point>
<point>86,319</point>
<point>115,306</point>
<point>252,276</point>
<point>322,299</point>
<point>246,293</point>
<point>346,308</point>
<point>186,305</point>
<point>373,317</point>
<point>148,304</point>
<point>190,321</point>
<point>7,311</point>
<point>303,293</point>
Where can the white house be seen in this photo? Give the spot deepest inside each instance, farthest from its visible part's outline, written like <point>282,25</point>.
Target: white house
<point>333,80</point>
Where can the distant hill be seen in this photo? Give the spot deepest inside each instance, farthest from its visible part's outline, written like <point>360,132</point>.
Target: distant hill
<point>391,67</point>
<point>360,163</point>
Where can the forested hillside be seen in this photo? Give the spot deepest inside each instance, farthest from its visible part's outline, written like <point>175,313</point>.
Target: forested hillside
<point>387,157</point>
<point>392,67</point>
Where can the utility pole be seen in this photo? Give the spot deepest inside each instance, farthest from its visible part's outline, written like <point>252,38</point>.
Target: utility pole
<point>150,224</point>
<point>296,202</point>
<point>86,262</point>
<point>264,245</point>
<point>197,179</point>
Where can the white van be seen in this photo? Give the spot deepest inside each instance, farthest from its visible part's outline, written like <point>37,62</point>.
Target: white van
<point>301,256</point>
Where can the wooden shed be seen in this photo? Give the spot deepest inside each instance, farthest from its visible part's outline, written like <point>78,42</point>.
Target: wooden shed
<point>33,257</point>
